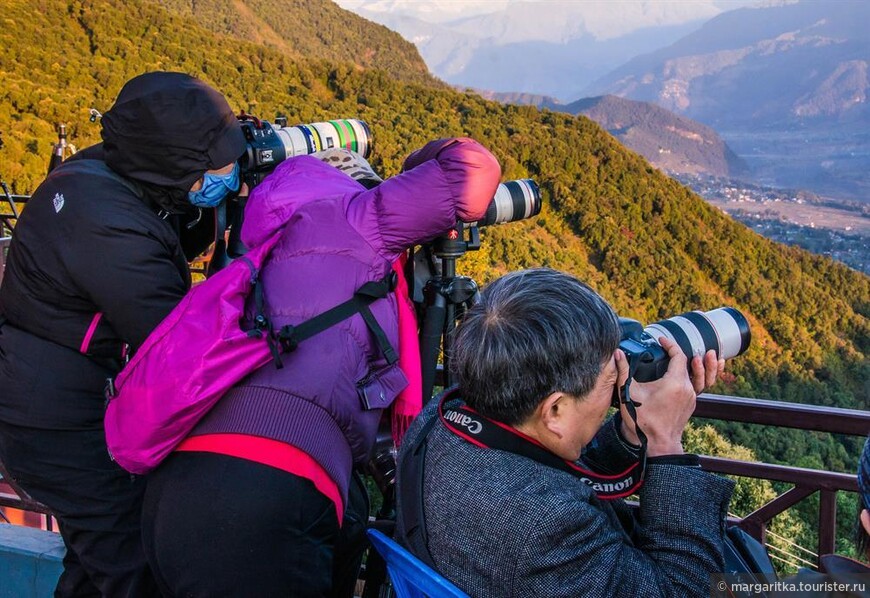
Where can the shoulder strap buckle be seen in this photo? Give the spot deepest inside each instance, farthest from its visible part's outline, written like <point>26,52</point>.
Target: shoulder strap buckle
<point>287,338</point>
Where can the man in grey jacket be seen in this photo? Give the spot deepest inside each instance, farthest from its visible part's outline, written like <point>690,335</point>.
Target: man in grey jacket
<point>537,357</point>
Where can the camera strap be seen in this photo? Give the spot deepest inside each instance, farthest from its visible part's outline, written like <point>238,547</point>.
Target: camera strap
<point>481,431</point>
<point>624,397</point>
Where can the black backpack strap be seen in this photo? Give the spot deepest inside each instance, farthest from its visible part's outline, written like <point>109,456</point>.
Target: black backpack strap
<point>290,336</point>
<point>262,324</point>
<point>411,524</point>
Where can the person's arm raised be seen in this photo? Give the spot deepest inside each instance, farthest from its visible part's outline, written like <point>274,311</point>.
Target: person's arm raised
<point>444,181</point>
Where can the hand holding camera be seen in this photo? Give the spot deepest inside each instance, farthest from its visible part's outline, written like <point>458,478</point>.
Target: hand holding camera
<point>666,404</point>
<point>660,352</point>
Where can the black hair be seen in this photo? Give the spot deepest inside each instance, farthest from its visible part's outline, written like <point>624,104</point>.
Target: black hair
<point>533,332</point>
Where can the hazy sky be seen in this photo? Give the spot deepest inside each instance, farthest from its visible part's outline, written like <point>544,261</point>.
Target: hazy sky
<point>602,18</point>
<point>443,10</point>
<point>556,20</point>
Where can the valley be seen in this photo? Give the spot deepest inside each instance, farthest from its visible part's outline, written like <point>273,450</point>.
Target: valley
<point>832,161</point>
<point>834,228</point>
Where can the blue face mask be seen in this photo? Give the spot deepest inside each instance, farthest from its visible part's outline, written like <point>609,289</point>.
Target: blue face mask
<point>215,188</point>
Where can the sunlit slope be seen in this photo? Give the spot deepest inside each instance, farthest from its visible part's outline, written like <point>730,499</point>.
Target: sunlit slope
<point>309,29</point>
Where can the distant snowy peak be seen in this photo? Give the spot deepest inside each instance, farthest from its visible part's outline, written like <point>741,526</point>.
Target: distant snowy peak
<point>555,21</point>
<point>548,47</point>
<point>602,19</point>
<point>436,11</point>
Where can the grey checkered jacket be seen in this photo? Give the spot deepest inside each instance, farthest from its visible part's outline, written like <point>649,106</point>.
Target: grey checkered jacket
<point>500,524</point>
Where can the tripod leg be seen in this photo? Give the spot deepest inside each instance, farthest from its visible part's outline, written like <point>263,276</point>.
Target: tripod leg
<point>430,339</point>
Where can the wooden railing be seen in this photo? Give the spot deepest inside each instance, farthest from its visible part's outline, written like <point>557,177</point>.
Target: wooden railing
<point>11,495</point>
<point>806,481</point>
<point>9,210</point>
<point>4,248</point>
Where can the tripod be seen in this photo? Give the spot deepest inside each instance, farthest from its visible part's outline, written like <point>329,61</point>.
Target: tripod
<point>446,296</point>
<point>61,150</point>
<point>441,298</point>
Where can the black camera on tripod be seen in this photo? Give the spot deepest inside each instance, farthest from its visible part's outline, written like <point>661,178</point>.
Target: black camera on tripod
<point>513,201</point>
<point>440,296</point>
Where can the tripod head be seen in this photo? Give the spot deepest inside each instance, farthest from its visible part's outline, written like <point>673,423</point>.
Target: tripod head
<point>61,150</point>
<point>445,297</point>
<point>457,241</point>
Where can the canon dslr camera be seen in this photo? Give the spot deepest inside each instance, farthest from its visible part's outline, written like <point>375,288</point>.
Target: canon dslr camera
<point>725,330</point>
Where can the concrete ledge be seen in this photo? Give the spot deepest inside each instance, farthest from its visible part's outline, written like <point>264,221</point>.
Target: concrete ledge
<point>30,561</point>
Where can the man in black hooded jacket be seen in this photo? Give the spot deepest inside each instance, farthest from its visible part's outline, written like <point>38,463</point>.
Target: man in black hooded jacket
<point>96,262</point>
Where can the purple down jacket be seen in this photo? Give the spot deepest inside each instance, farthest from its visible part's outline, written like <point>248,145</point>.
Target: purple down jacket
<point>328,398</point>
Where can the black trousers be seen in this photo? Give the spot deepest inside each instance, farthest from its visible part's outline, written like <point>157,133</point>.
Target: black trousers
<point>97,505</point>
<point>215,525</point>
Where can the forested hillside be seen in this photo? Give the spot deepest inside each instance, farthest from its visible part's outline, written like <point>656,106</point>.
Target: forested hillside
<point>649,245</point>
<point>670,142</point>
<point>310,29</point>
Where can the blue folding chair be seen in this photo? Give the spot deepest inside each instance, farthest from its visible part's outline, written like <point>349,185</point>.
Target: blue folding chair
<point>410,576</point>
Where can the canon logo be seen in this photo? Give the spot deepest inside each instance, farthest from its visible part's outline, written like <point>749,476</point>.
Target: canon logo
<point>466,421</point>
<point>615,487</point>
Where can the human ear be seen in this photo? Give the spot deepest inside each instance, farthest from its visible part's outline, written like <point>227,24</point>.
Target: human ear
<point>865,520</point>
<point>551,411</point>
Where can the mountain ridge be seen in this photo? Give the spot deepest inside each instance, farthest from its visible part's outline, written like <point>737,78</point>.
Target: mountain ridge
<point>303,29</point>
<point>786,86</point>
<point>670,142</point>
<point>666,75</point>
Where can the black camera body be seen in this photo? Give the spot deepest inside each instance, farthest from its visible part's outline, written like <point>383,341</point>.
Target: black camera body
<point>263,153</point>
<point>645,355</point>
<point>725,330</point>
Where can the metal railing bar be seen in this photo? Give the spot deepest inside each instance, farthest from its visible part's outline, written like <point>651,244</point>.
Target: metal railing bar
<point>819,480</point>
<point>827,521</point>
<point>20,497</point>
<point>15,502</point>
<point>788,554</point>
<point>780,504</point>
<point>789,563</point>
<point>784,415</point>
<point>791,543</point>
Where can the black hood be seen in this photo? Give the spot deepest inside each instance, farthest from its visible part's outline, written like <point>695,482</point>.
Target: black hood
<point>165,130</point>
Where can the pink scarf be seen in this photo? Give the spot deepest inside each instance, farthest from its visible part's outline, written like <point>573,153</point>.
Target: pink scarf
<point>410,401</point>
